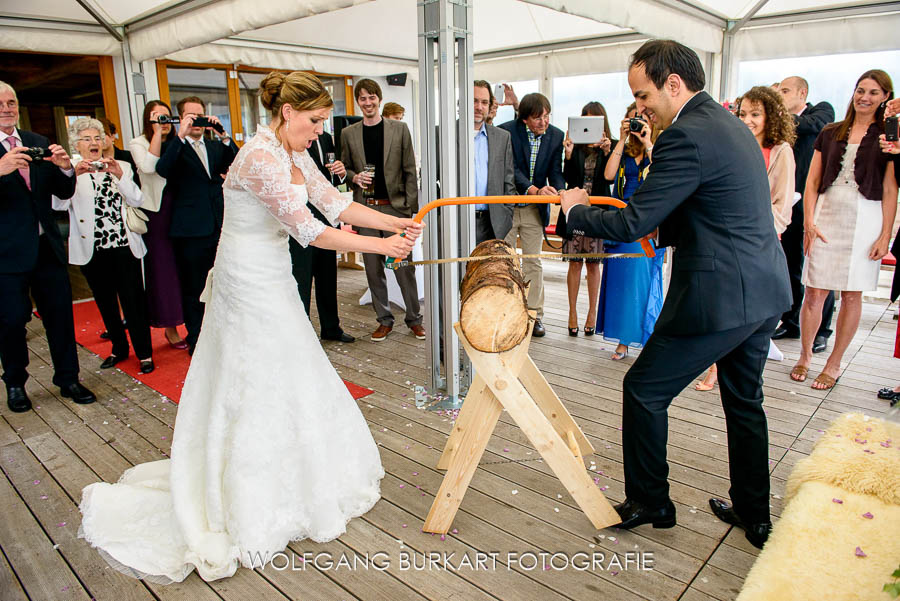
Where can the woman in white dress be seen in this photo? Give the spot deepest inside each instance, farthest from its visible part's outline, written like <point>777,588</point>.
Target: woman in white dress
<point>850,201</point>
<point>269,446</point>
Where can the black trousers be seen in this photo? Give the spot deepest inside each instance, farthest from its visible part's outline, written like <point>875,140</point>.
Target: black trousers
<point>114,275</point>
<point>483,228</point>
<point>48,283</point>
<point>194,257</point>
<point>662,370</point>
<point>311,263</point>
<point>792,243</point>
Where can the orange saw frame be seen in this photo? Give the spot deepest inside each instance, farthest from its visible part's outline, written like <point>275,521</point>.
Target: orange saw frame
<point>468,200</point>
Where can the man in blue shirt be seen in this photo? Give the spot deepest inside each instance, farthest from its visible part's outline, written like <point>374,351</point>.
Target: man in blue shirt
<point>494,169</point>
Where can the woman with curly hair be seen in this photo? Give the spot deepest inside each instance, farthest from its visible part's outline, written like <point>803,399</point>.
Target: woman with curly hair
<point>762,110</point>
<point>850,202</point>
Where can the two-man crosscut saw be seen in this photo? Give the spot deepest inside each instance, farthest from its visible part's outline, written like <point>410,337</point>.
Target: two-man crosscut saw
<point>468,200</point>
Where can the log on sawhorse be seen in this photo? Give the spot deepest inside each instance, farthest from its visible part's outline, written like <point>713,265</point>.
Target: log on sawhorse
<point>510,380</point>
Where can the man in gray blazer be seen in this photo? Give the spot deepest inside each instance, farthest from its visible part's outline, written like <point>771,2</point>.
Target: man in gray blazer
<point>494,169</point>
<point>392,188</point>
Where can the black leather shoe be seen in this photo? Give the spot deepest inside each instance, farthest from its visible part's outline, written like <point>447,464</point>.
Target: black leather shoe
<point>634,514</point>
<point>538,329</point>
<point>783,332</point>
<point>111,361</point>
<point>104,335</point>
<point>820,344</point>
<point>757,534</point>
<point>147,366</point>
<point>888,394</point>
<point>342,337</point>
<point>17,400</point>
<point>78,393</point>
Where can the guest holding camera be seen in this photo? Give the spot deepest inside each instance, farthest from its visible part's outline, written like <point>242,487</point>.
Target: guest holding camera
<point>762,110</point>
<point>584,167</point>
<point>101,243</point>
<point>892,147</point>
<point>111,151</point>
<point>32,256</point>
<point>631,294</point>
<point>160,272</point>
<point>850,205</point>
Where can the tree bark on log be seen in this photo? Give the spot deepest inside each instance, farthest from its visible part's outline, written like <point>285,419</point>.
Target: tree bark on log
<point>493,308</point>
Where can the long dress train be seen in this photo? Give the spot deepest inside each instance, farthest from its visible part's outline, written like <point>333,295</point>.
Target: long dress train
<point>269,446</point>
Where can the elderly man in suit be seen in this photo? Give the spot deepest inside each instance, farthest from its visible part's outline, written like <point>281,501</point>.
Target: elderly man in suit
<point>810,121</point>
<point>195,168</point>
<point>708,194</point>
<point>32,257</point>
<point>537,151</point>
<point>393,189</point>
<point>311,262</point>
<point>495,171</point>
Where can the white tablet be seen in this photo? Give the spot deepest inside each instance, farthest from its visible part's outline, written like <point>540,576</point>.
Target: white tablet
<point>586,130</point>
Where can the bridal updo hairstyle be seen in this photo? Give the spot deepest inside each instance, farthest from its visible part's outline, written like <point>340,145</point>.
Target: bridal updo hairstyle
<point>301,90</point>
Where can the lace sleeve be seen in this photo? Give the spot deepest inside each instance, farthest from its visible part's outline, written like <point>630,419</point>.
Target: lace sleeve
<point>266,176</point>
<point>322,194</point>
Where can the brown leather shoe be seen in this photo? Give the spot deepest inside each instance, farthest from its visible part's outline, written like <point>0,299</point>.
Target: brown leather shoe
<point>419,331</point>
<point>381,333</point>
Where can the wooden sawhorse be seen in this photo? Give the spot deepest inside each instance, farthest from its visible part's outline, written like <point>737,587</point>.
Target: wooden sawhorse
<point>510,380</point>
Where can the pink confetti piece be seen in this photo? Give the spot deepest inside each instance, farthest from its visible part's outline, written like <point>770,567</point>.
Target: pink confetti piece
<point>402,486</point>
<point>404,525</point>
<point>36,482</point>
<point>506,450</point>
<point>860,552</point>
<point>44,497</point>
<point>455,531</point>
<point>415,473</point>
<point>60,525</point>
<point>838,501</point>
<point>65,588</point>
<point>886,445</point>
<point>868,515</point>
<point>443,537</point>
<point>614,573</point>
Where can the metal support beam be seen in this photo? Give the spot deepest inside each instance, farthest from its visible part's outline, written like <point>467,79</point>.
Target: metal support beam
<point>733,29</point>
<point>114,32</point>
<point>445,49</point>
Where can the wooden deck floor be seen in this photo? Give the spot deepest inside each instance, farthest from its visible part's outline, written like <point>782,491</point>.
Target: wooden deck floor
<point>514,505</point>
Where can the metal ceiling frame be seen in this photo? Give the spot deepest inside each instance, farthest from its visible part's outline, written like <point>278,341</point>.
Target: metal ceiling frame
<point>110,29</point>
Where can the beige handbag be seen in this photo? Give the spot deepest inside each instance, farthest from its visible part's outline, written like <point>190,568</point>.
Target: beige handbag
<point>135,220</point>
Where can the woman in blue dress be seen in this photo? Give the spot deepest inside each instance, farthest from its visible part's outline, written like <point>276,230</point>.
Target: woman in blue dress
<point>631,294</point>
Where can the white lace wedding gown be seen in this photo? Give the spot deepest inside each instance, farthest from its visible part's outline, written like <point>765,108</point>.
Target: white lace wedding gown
<point>269,446</point>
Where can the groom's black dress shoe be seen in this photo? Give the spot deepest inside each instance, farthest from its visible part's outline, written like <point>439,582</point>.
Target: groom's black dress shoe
<point>634,514</point>
<point>757,534</point>
<point>783,332</point>
<point>17,400</point>
<point>820,344</point>
<point>78,393</point>
<point>342,337</point>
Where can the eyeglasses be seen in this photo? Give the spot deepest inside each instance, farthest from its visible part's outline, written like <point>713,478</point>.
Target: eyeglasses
<point>97,139</point>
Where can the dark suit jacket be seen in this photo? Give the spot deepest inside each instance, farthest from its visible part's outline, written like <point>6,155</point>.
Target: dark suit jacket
<point>708,194</point>
<point>197,201</point>
<point>573,171</point>
<point>21,210</point>
<point>547,169</point>
<point>809,125</point>
<point>124,155</point>
<point>400,176</point>
<point>327,144</point>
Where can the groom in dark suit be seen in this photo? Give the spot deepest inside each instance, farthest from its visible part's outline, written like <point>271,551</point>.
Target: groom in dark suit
<point>194,168</point>
<point>33,259</point>
<point>311,262</point>
<point>708,194</point>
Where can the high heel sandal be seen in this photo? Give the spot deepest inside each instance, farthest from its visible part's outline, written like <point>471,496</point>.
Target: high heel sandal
<point>617,356</point>
<point>588,331</point>
<point>574,332</point>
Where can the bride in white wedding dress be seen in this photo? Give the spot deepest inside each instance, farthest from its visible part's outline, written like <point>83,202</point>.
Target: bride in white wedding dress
<point>269,446</point>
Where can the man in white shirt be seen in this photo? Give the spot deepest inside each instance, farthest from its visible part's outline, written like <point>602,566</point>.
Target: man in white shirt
<point>33,262</point>
<point>495,173</point>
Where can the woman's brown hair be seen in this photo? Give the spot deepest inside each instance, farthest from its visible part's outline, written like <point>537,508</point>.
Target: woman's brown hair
<point>779,123</point>
<point>301,90</point>
<point>884,81</point>
<point>633,146</point>
<point>147,130</point>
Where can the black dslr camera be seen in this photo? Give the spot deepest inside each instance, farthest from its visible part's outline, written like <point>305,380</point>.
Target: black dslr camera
<point>164,119</point>
<point>636,124</point>
<point>205,122</point>
<point>37,153</point>
<point>890,129</point>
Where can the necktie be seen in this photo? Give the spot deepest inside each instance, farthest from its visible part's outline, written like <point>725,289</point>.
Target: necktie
<point>198,147</point>
<point>25,172</point>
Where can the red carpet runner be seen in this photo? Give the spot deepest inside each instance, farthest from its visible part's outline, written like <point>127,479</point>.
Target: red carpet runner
<point>171,364</point>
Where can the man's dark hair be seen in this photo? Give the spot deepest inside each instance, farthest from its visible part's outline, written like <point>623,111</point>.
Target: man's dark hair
<point>661,58</point>
<point>533,105</point>
<point>369,86</point>
<point>184,101</point>
<point>480,83</point>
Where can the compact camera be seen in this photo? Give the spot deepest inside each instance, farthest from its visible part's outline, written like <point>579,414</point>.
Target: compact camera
<point>36,152</point>
<point>97,165</point>
<point>205,122</point>
<point>890,129</point>
<point>636,124</point>
<point>164,119</point>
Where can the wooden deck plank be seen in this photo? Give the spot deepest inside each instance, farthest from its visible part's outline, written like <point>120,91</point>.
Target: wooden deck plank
<point>9,584</point>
